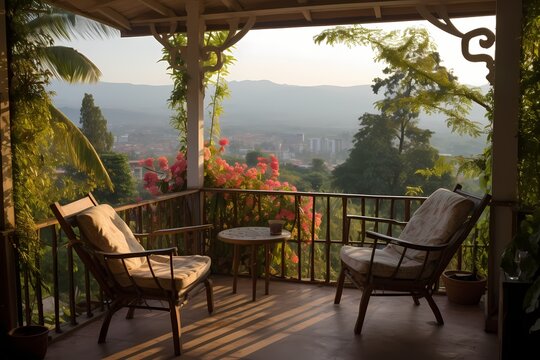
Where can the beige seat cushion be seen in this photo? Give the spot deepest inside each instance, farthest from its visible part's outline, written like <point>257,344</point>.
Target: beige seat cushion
<point>105,230</point>
<point>384,264</point>
<point>435,221</point>
<point>187,270</point>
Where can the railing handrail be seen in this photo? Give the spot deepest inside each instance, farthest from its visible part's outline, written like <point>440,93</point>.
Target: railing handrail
<point>52,221</point>
<point>316,193</point>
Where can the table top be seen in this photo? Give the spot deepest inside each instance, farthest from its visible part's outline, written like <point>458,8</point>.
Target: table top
<point>251,235</point>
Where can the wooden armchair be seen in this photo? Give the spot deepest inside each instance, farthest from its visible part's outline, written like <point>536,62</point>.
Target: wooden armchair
<point>412,263</point>
<point>128,274</point>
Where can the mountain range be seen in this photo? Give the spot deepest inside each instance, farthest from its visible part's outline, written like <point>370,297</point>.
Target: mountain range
<point>255,107</point>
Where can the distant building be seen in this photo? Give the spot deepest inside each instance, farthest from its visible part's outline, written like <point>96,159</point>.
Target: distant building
<point>137,169</point>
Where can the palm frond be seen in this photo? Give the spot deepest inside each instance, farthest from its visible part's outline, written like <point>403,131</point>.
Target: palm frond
<point>82,154</point>
<point>64,25</point>
<point>70,65</point>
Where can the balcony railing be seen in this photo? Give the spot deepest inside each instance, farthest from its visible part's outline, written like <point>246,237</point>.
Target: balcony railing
<point>63,294</point>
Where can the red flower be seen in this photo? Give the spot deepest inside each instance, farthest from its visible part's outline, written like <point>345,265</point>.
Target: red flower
<point>224,142</point>
<point>294,258</point>
<point>163,163</point>
<point>149,162</point>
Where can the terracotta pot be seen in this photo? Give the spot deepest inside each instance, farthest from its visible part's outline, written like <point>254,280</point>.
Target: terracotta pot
<point>29,342</point>
<point>462,288</point>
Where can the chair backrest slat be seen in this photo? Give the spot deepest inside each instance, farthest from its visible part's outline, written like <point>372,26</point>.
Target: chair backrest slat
<point>66,216</point>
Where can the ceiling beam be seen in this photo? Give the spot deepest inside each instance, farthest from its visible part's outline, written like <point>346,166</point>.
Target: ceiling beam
<point>306,13</point>
<point>232,5</point>
<point>377,11</point>
<point>115,17</point>
<point>353,5</point>
<point>158,7</point>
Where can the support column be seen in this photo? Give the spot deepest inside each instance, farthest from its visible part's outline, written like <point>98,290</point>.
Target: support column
<point>8,310</point>
<point>505,144</point>
<point>195,114</point>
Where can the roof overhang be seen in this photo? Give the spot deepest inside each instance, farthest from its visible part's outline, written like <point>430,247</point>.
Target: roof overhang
<point>135,17</point>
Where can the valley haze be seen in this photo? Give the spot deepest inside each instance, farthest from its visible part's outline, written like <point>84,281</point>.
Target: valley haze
<point>257,107</point>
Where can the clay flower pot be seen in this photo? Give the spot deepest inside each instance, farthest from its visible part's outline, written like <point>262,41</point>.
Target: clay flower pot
<point>463,288</point>
<point>29,342</point>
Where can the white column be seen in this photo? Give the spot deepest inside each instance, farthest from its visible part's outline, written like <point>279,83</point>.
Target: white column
<point>195,114</point>
<point>505,142</point>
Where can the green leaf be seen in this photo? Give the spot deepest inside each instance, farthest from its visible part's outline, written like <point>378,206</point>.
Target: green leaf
<point>68,64</point>
<point>82,154</point>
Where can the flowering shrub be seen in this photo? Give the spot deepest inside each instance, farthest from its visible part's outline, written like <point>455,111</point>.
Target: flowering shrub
<point>218,173</point>
<point>162,178</point>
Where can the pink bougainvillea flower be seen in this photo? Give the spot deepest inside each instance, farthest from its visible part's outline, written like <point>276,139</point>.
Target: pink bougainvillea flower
<point>150,178</point>
<point>180,156</point>
<point>149,162</point>
<point>207,154</point>
<point>163,163</point>
<point>223,142</point>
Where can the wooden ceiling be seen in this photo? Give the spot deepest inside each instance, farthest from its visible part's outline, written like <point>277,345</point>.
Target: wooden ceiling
<point>134,17</point>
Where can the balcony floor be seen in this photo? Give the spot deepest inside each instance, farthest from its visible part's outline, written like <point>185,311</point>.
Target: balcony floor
<point>295,321</point>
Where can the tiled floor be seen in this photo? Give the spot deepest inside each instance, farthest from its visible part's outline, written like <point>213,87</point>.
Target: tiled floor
<point>296,321</point>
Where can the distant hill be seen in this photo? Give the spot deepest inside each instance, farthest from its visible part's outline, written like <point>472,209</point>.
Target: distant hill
<point>254,106</point>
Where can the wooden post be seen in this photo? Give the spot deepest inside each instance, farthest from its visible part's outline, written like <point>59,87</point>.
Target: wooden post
<point>8,298</point>
<point>505,144</point>
<point>195,116</point>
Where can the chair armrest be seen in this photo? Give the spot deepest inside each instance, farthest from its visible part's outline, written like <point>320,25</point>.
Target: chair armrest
<point>405,243</point>
<point>165,251</point>
<point>179,230</point>
<point>377,219</point>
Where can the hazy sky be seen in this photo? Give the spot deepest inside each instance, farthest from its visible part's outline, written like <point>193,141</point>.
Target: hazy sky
<point>286,56</point>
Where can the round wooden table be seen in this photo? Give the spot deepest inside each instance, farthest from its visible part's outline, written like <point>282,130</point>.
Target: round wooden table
<point>252,236</point>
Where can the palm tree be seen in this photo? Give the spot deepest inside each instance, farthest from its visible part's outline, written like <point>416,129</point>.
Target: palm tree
<point>67,64</point>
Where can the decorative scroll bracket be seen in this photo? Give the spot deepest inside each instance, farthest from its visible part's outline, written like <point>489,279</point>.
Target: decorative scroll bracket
<point>176,50</point>
<point>443,22</point>
<point>232,38</point>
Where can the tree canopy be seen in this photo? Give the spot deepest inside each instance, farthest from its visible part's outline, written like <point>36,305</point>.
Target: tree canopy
<point>94,125</point>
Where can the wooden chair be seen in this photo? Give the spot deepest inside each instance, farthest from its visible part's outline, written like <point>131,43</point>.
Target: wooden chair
<point>128,274</point>
<point>412,263</point>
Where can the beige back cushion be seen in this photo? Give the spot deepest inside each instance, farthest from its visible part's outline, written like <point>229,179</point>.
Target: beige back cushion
<point>435,221</point>
<point>105,230</point>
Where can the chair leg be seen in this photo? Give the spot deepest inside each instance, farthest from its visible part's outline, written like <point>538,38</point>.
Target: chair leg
<point>174,310</point>
<point>434,308</point>
<point>340,282</point>
<point>114,307</point>
<point>130,313</point>
<point>209,295</point>
<point>366,293</point>
<point>415,299</point>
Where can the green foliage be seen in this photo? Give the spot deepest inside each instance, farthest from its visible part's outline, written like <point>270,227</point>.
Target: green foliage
<point>529,125</point>
<point>43,139</point>
<point>117,166</point>
<point>63,62</point>
<point>413,58</point>
<point>177,70</point>
<point>94,125</point>
<point>373,164</point>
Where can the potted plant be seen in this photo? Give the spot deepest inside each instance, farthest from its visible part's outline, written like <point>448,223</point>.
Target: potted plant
<point>28,342</point>
<point>465,287</point>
